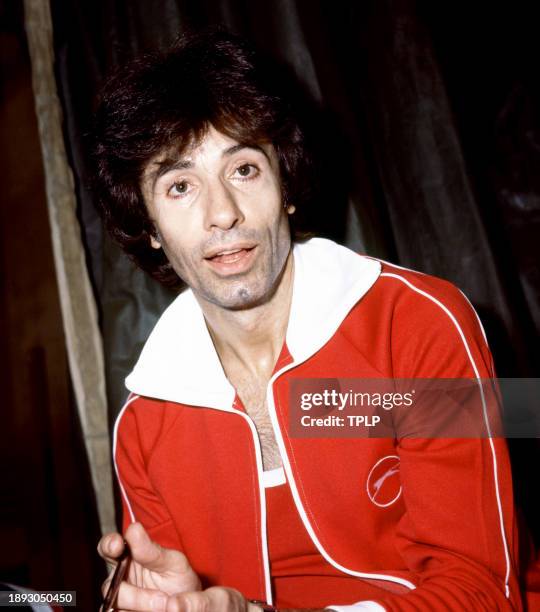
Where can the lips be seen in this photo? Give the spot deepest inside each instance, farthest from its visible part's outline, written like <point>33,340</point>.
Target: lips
<point>230,256</point>
<point>233,259</point>
<point>222,253</point>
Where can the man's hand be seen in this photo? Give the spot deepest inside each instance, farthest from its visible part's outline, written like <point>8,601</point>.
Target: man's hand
<point>154,574</point>
<point>162,580</point>
<point>214,599</point>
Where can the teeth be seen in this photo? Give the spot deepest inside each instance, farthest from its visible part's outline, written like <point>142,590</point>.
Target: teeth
<point>228,252</point>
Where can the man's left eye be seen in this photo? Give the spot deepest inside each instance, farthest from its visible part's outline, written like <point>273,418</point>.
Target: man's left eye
<point>246,171</point>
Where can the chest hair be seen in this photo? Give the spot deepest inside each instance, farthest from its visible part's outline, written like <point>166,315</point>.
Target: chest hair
<point>252,392</point>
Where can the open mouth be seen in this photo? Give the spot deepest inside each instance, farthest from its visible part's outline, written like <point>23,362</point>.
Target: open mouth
<point>230,256</point>
<point>233,260</point>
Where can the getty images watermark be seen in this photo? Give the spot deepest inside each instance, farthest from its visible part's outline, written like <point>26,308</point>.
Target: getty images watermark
<point>414,408</point>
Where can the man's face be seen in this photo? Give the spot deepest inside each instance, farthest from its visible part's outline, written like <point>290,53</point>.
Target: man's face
<point>220,219</point>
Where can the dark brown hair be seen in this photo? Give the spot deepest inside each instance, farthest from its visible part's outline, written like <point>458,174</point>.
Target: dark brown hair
<point>168,100</point>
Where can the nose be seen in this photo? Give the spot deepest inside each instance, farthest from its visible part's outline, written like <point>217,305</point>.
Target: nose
<point>222,210</point>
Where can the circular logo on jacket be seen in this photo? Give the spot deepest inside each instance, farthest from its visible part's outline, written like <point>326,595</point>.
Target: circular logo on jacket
<point>383,482</point>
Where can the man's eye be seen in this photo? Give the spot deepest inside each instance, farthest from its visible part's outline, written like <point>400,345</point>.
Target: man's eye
<point>179,189</point>
<point>246,171</point>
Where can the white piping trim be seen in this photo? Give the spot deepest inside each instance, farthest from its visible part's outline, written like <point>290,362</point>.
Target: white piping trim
<point>389,263</point>
<point>130,399</point>
<point>260,479</point>
<point>296,496</point>
<point>475,314</point>
<point>492,447</point>
<point>262,498</point>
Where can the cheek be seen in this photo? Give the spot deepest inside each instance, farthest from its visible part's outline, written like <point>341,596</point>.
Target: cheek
<point>274,215</point>
<point>268,191</point>
<point>176,232</point>
<point>176,250</point>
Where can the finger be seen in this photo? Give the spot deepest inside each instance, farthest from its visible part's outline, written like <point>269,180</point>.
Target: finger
<point>131,597</point>
<point>110,547</point>
<point>107,582</point>
<point>151,555</point>
<point>216,599</point>
<point>105,585</point>
<point>188,602</point>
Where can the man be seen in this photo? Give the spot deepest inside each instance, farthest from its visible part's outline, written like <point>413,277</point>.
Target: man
<point>201,164</point>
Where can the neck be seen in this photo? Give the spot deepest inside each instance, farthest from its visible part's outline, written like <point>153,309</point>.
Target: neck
<point>252,338</point>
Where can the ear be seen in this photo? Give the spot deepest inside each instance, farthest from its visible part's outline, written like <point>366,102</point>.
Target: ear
<point>155,243</point>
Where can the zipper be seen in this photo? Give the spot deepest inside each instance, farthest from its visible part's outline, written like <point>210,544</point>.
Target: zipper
<point>294,489</point>
<point>262,501</point>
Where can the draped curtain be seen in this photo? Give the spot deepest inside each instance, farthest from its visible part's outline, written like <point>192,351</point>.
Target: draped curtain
<point>430,138</point>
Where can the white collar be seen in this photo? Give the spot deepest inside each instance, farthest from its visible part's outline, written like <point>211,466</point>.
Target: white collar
<point>179,362</point>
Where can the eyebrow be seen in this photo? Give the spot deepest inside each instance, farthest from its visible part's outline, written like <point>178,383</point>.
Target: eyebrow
<point>170,164</point>
<point>238,147</point>
<point>166,165</point>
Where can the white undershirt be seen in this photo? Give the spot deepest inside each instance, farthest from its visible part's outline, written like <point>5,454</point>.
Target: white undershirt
<point>273,478</point>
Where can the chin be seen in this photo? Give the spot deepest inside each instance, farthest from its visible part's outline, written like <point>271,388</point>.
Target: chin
<point>241,297</point>
<point>242,300</point>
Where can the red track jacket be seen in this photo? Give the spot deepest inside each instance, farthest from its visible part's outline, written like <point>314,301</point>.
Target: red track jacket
<point>439,534</point>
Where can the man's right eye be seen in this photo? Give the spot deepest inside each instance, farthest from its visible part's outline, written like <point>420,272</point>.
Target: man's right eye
<point>178,189</point>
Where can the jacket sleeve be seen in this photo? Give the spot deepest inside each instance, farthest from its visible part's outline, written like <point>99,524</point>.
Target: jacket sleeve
<point>458,532</point>
<point>131,447</point>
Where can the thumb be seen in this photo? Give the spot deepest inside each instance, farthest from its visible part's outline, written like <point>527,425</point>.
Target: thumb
<point>151,555</point>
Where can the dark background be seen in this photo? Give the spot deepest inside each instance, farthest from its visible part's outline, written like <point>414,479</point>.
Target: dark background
<point>429,130</point>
